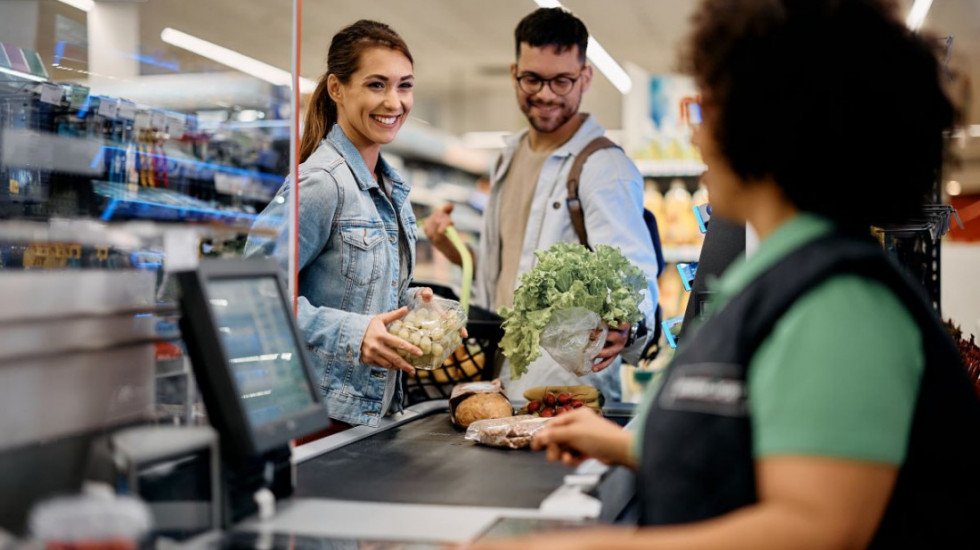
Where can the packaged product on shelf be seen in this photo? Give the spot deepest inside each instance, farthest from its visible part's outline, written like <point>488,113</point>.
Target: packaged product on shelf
<point>681,226</point>
<point>653,201</point>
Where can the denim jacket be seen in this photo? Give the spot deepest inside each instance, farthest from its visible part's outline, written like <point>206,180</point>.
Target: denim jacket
<point>611,191</point>
<point>348,269</point>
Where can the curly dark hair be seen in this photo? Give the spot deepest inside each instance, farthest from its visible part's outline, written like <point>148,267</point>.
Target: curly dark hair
<point>552,27</point>
<point>835,99</point>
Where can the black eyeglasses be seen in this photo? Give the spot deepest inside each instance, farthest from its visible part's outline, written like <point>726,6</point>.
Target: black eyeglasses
<point>531,83</point>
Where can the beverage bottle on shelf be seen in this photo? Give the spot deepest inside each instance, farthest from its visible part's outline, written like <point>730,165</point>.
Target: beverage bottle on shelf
<point>698,198</point>
<point>653,201</point>
<point>678,216</point>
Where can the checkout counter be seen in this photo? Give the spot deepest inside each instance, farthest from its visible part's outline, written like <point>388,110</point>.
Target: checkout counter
<point>412,482</point>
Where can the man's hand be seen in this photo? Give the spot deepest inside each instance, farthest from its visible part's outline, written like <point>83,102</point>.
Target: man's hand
<point>615,342</point>
<point>435,230</point>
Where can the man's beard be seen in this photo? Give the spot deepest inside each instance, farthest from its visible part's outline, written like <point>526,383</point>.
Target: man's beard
<point>565,113</point>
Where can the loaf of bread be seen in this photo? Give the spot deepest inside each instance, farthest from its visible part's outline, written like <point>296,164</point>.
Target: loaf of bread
<point>481,406</point>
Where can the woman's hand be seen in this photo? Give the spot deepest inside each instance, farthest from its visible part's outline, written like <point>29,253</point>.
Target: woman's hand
<point>615,342</point>
<point>582,434</point>
<point>379,346</point>
<point>425,294</point>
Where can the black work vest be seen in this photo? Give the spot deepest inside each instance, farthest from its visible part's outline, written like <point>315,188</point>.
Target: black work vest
<point>697,443</point>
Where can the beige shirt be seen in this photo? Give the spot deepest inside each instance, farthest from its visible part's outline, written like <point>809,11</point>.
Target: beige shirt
<point>515,205</point>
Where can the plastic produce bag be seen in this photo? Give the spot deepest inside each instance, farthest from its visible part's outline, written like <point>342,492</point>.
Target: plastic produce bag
<point>434,327</point>
<point>573,337</point>
<point>514,432</point>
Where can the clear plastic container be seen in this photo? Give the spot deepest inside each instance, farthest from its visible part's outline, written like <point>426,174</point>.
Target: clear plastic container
<point>433,326</point>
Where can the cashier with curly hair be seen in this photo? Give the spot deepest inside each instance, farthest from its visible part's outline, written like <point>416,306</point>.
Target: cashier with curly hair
<point>821,405</point>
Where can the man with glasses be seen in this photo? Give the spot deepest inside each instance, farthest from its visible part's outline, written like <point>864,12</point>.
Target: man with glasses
<point>527,208</point>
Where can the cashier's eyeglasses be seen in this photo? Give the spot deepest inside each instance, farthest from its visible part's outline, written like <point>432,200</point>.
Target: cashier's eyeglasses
<point>531,83</point>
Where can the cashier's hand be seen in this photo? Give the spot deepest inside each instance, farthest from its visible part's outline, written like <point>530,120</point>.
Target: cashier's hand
<point>615,342</point>
<point>581,434</point>
<point>379,347</point>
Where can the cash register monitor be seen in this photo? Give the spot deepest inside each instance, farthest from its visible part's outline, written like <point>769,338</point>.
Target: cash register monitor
<point>249,360</point>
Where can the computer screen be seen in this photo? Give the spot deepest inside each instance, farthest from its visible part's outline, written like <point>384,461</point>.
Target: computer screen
<point>260,348</point>
<point>249,358</point>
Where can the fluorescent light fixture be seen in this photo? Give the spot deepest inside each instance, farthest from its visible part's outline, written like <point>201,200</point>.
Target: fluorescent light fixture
<point>599,57</point>
<point>23,75</point>
<point>608,66</point>
<point>917,15</point>
<point>84,5</point>
<point>233,59</point>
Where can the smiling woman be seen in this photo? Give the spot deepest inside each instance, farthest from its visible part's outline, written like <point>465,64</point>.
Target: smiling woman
<point>356,226</point>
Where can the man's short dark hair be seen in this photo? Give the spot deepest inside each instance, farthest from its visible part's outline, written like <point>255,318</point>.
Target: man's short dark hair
<point>552,27</point>
<point>835,99</point>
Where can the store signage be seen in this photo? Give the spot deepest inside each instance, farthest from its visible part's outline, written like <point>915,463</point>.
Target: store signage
<point>158,120</point>
<point>108,107</point>
<point>142,120</point>
<point>51,94</point>
<point>127,110</point>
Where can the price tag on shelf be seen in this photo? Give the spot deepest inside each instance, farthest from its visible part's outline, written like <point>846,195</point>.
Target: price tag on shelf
<point>175,127</point>
<point>180,248</point>
<point>78,96</point>
<point>51,93</point>
<point>108,107</point>
<point>142,120</point>
<point>127,110</point>
<point>158,120</point>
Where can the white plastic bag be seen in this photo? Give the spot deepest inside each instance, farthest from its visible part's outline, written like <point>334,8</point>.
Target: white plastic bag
<point>573,337</point>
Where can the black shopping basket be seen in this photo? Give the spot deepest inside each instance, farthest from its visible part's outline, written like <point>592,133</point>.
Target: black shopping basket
<point>475,359</point>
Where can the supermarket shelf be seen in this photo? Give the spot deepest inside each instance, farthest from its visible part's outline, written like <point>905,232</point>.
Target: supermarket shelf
<point>678,254</point>
<point>669,168</point>
<point>150,203</point>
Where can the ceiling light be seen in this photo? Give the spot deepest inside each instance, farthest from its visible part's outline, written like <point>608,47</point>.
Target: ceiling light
<point>608,66</point>
<point>599,57</point>
<point>235,60</point>
<point>953,188</point>
<point>917,15</point>
<point>84,5</point>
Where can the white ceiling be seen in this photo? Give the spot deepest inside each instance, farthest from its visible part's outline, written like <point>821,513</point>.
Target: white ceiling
<point>463,48</point>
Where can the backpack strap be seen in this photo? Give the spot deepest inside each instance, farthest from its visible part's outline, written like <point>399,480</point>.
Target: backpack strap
<point>573,202</point>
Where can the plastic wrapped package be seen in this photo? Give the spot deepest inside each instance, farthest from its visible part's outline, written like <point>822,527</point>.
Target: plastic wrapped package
<point>434,327</point>
<point>514,432</point>
<point>573,337</point>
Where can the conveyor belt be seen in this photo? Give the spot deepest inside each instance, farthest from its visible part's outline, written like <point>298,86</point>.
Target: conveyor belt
<point>427,461</point>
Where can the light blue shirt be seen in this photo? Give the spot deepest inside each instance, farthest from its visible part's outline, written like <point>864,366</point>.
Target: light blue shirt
<point>611,192</point>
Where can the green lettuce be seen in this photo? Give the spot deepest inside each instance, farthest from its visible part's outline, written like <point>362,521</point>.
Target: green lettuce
<point>565,276</point>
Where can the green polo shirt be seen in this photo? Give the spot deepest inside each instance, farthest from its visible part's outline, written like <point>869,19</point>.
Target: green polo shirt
<point>839,374</point>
